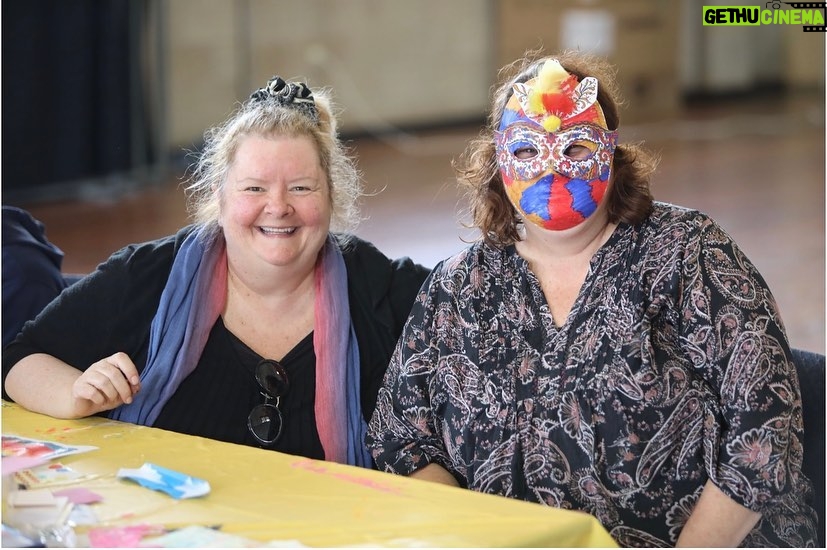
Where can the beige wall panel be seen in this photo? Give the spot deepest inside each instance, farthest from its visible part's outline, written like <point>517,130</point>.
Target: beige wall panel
<point>402,63</point>
<point>390,62</point>
<point>201,68</point>
<point>804,58</point>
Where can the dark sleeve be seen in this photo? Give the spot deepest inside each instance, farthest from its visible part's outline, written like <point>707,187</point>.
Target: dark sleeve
<point>732,330</point>
<point>108,311</point>
<point>405,434</point>
<point>29,284</point>
<point>381,293</point>
<point>31,270</point>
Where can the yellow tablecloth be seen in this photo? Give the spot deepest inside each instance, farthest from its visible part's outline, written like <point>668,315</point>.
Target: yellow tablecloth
<point>264,495</point>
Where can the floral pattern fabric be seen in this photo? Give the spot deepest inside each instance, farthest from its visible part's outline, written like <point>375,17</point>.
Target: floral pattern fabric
<point>672,368</point>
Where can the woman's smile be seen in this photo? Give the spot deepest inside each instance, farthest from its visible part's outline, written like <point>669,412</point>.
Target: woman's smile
<point>275,208</point>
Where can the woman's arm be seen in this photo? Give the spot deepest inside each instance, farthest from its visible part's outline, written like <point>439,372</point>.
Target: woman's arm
<point>100,324</point>
<point>47,385</point>
<point>436,473</point>
<point>404,434</point>
<point>717,521</point>
<point>733,333</point>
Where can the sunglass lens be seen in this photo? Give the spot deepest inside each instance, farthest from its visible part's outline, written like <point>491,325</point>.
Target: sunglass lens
<point>272,377</point>
<point>265,423</point>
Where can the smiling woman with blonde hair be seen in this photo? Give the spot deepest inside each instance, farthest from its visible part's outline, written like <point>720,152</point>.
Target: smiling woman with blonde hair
<point>260,324</point>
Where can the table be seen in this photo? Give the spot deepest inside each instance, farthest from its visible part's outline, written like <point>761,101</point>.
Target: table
<point>268,496</point>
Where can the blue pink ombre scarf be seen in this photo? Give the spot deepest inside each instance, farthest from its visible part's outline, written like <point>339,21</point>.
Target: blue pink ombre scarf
<point>191,302</point>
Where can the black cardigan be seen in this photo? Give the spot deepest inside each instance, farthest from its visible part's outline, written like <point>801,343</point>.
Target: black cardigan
<point>111,310</point>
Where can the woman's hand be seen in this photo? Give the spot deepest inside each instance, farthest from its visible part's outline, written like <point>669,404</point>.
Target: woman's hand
<point>45,384</point>
<point>109,383</point>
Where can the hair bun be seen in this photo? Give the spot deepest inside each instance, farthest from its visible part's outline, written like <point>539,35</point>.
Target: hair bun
<point>288,94</point>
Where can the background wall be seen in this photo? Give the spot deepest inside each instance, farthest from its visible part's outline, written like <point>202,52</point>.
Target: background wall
<point>101,98</point>
<point>161,71</point>
<point>398,63</point>
<point>390,62</point>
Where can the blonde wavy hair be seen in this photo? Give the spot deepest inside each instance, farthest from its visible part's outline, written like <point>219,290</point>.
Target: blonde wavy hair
<point>207,176</point>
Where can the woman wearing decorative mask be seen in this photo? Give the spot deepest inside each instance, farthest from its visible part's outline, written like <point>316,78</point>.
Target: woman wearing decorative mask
<point>597,350</point>
<point>255,325</point>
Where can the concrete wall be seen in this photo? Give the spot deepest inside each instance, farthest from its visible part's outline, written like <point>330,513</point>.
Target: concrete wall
<point>408,63</point>
<point>389,62</point>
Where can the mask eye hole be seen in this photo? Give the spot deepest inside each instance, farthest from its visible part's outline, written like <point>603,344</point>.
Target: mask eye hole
<point>525,152</point>
<point>579,151</point>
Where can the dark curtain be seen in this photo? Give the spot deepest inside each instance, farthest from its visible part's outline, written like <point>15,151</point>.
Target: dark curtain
<point>66,91</point>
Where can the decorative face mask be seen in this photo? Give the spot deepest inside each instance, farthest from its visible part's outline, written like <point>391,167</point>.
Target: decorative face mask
<point>554,149</point>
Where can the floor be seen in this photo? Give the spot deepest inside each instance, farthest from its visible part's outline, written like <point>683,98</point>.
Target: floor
<point>756,166</point>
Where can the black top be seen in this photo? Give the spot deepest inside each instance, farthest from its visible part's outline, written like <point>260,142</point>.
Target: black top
<point>111,310</point>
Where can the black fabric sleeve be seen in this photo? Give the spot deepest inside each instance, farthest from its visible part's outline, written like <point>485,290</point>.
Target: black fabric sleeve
<point>31,279</point>
<point>381,293</point>
<point>108,311</point>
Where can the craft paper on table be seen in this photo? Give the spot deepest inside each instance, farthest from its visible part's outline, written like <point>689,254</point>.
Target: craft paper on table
<point>14,538</point>
<point>38,497</point>
<point>83,514</point>
<point>38,508</point>
<point>37,448</point>
<point>79,495</point>
<point>54,473</point>
<point>197,536</point>
<point>122,537</point>
<point>15,464</point>
<point>173,483</point>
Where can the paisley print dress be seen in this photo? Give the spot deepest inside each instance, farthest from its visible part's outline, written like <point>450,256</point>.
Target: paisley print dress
<point>672,368</point>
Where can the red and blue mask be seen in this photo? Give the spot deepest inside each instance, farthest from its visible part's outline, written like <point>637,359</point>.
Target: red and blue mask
<point>554,149</point>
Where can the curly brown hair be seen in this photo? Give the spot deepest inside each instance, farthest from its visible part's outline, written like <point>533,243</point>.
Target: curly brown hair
<point>629,198</point>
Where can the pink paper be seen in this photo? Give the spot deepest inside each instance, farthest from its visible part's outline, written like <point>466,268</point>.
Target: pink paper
<point>79,495</point>
<point>121,537</point>
<point>12,464</point>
